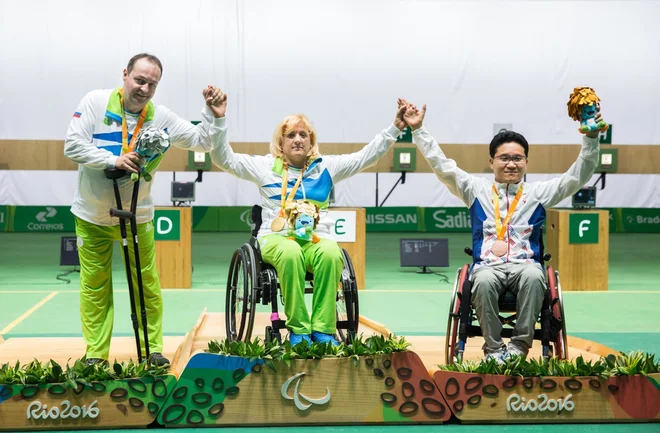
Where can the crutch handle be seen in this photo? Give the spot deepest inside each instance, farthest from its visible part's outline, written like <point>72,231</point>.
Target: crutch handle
<point>114,173</point>
<point>120,213</point>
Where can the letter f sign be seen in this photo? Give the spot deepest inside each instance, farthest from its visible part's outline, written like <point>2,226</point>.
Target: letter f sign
<point>583,227</point>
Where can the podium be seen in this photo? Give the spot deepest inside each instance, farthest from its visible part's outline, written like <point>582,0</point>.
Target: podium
<point>578,241</point>
<point>350,233</point>
<point>173,235</point>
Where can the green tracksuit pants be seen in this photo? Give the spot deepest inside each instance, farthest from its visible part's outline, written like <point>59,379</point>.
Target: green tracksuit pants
<point>291,259</point>
<point>95,246</point>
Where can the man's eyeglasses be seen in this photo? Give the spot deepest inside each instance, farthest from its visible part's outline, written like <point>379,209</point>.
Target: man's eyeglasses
<point>505,159</point>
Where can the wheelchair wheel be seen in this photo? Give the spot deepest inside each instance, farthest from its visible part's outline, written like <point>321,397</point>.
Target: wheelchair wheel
<point>348,312</point>
<point>240,300</point>
<point>453,321</point>
<point>561,344</point>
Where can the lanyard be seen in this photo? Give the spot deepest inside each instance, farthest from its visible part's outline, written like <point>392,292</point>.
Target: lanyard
<point>500,227</point>
<point>285,182</point>
<point>125,147</point>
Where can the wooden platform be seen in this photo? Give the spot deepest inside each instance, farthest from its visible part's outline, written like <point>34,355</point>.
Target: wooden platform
<point>397,388</point>
<point>210,326</point>
<point>68,349</point>
<point>431,349</point>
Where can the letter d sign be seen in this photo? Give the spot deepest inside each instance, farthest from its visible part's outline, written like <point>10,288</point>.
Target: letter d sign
<point>167,224</point>
<point>583,228</point>
<point>164,225</point>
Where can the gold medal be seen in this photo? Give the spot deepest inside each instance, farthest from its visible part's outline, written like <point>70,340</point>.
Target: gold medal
<point>499,248</point>
<point>278,224</point>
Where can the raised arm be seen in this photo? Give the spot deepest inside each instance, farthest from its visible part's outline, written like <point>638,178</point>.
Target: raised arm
<point>184,134</point>
<point>344,166</point>
<point>243,166</point>
<point>459,182</point>
<point>553,191</point>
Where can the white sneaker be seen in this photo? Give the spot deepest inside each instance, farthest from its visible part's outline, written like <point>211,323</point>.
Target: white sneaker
<point>514,349</point>
<point>498,356</point>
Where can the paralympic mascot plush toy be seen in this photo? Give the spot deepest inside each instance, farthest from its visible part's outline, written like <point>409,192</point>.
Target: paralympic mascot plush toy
<point>583,105</point>
<point>152,143</point>
<point>302,217</point>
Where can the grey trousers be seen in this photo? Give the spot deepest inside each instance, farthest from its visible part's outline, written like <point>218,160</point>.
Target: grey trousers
<point>527,281</point>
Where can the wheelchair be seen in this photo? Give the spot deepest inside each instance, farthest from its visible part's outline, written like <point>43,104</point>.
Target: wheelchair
<point>552,332</point>
<point>251,281</point>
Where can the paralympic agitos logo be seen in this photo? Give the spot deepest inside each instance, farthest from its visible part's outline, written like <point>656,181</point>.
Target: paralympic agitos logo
<point>300,400</point>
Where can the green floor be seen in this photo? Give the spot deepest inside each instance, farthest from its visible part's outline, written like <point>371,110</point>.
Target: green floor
<point>624,318</point>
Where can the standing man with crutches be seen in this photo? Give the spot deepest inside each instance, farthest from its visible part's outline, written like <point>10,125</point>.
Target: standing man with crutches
<point>102,135</point>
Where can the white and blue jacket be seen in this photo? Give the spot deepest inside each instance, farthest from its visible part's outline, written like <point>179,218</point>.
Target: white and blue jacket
<point>95,144</point>
<point>325,171</point>
<point>524,234</point>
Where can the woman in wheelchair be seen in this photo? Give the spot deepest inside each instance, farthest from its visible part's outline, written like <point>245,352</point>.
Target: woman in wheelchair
<point>507,217</point>
<point>295,171</point>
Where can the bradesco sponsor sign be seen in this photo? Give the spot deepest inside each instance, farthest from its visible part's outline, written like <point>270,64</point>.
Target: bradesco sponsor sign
<point>447,219</point>
<point>641,220</point>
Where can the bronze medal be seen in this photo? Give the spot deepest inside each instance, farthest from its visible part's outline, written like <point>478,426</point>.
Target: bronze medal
<point>499,248</point>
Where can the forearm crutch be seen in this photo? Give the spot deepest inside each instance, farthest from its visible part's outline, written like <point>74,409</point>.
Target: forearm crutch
<point>123,215</point>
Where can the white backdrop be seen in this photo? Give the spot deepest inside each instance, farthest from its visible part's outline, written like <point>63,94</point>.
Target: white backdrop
<point>56,188</point>
<point>342,62</point>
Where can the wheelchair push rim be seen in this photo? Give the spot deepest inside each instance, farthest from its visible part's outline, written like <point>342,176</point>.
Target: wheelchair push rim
<point>453,321</point>
<point>240,300</point>
<point>347,308</point>
<point>561,343</point>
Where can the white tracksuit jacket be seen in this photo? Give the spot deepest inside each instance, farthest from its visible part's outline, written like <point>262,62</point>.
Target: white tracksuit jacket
<point>318,179</point>
<point>524,232</point>
<point>96,146</point>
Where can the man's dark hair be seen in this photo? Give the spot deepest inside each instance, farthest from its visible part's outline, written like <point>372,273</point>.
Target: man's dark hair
<point>150,57</point>
<point>506,137</point>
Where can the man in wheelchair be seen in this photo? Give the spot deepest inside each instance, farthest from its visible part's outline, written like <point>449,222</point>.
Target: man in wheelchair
<point>507,217</point>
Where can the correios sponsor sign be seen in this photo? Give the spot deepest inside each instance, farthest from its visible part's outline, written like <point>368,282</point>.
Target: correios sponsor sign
<point>43,219</point>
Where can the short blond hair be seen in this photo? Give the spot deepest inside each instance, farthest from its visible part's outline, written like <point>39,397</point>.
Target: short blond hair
<point>287,125</point>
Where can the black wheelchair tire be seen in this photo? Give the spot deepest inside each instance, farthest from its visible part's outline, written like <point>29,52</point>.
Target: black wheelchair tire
<point>351,301</point>
<point>242,264</point>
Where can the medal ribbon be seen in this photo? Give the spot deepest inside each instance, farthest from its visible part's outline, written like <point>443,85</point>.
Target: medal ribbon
<point>125,147</point>
<point>500,227</point>
<point>285,182</point>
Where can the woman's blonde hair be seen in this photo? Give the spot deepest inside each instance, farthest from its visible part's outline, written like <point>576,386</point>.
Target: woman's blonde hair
<point>287,125</point>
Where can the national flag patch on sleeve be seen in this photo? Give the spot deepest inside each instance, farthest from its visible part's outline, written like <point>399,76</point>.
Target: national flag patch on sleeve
<point>77,114</point>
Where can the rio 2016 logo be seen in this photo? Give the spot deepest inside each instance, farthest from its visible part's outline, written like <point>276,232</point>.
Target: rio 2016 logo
<point>38,411</point>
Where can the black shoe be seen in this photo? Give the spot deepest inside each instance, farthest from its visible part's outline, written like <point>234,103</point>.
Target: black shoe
<point>94,361</point>
<point>158,359</point>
